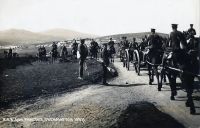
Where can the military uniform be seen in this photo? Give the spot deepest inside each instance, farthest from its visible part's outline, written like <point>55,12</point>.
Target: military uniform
<point>74,49</point>
<point>83,55</point>
<point>105,63</point>
<point>143,45</point>
<point>176,37</point>
<point>10,53</point>
<point>154,41</point>
<point>111,43</point>
<point>124,43</point>
<point>133,45</point>
<point>191,31</point>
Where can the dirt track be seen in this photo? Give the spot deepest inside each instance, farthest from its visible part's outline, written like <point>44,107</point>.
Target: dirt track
<point>100,105</point>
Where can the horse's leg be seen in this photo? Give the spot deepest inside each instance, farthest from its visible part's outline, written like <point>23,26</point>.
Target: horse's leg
<point>158,78</point>
<point>149,71</point>
<point>163,76</point>
<point>188,82</point>
<point>172,82</point>
<point>152,73</point>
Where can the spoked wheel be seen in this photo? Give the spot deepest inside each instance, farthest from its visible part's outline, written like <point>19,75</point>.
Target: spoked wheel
<point>137,61</point>
<point>121,55</point>
<point>127,60</point>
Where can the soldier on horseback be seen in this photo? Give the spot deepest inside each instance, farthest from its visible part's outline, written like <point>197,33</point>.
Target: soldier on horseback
<point>143,45</point>
<point>124,43</point>
<point>111,49</point>
<point>178,62</point>
<point>154,40</point>
<point>191,31</point>
<point>132,46</point>
<point>154,56</point>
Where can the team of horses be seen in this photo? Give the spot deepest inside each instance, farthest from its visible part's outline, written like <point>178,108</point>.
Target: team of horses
<point>184,63</point>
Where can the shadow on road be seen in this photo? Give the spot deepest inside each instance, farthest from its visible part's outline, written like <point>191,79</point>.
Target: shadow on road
<point>126,85</point>
<point>145,115</point>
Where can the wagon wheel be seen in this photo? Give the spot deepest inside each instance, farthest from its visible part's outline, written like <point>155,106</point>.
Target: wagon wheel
<point>124,59</point>
<point>137,61</point>
<point>127,59</point>
<point>120,56</point>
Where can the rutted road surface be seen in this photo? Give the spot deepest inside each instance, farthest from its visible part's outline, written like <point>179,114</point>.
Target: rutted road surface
<point>100,106</point>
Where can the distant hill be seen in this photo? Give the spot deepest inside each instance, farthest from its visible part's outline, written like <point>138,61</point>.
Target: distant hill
<point>129,36</point>
<point>20,36</point>
<point>67,34</point>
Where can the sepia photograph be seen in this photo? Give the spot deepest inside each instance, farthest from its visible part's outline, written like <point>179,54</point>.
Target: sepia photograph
<point>99,63</point>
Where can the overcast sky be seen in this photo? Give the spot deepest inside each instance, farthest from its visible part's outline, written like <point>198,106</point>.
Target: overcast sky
<point>100,17</point>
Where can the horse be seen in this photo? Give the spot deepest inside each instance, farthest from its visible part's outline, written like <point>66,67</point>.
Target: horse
<point>183,63</point>
<point>154,59</point>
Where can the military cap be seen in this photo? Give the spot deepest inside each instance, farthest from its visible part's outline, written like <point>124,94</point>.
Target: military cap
<point>174,25</point>
<point>153,29</point>
<point>82,40</point>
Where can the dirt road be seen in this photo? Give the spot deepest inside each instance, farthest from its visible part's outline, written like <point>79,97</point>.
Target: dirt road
<point>99,106</point>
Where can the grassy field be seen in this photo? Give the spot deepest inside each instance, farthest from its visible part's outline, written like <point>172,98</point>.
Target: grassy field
<point>24,79</point>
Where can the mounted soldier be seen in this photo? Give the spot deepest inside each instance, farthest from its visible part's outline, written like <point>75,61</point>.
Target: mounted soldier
<point>154,40</point>
<point>191,31</point>
<point>177,41</point>
<point>111,49</point>
<point>124,43</point>
<point>178,62</point>
<point>143,45</point>
<point>132,46</point>
<point>154,56</point>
